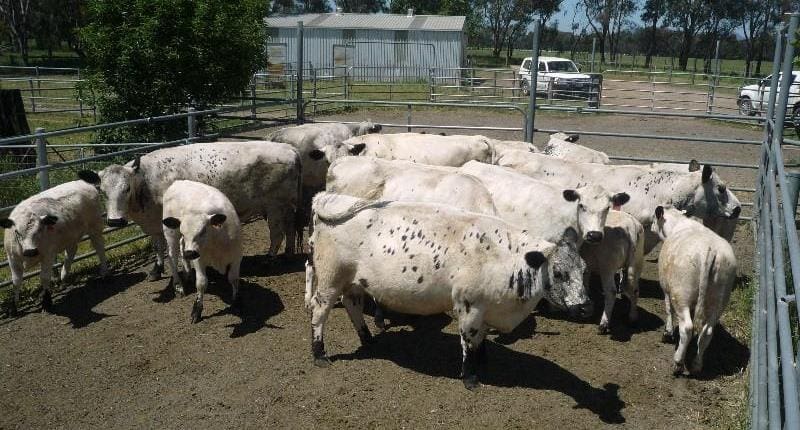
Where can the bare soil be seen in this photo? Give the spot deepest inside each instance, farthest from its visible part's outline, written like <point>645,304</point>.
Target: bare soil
<point>120,353</point>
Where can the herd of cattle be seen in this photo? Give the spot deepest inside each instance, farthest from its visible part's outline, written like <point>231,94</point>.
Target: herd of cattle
<point>422,223</point>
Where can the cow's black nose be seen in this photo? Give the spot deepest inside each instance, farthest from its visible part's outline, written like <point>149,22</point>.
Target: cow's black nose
<point>594,236</point>
<point>191,254</point>
<point>736,212</point>
<point>116,222</point>
<point>30,252</point>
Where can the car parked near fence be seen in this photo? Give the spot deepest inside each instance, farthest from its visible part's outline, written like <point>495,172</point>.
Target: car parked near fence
<point>753,98</point>
<point>561,74</point>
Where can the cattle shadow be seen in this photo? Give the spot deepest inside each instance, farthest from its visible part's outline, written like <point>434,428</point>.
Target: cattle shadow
<point>439,355</point>
<point>78,302</point>
<point>650,289</point>
<point>261,265</point>
<point>525,330</point>
<point>397,319</point>
<point>725,355</point>
<point>258,304</point>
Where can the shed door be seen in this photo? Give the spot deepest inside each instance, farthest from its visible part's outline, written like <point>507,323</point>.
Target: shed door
<point>342,58</point>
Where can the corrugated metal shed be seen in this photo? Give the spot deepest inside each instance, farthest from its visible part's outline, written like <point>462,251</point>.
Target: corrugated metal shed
<point>371,47</point>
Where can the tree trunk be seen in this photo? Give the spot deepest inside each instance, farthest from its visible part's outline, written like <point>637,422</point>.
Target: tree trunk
<point>686,48</point>
<point>651,45</point>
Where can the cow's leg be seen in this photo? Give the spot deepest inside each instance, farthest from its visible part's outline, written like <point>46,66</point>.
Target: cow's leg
<point>354,303</point>
<point>276,224</point>
<point>631,290</point>
<point>309,283</point>
<point>686,330</point>
<point>173,248</point>
<point>98,243</point>
<point>159,246</point>
<point>201,282</point>
<point>45,275</point>
<point>380,318</point>
<point>69,255</point>
<point>666,337</point>
<point>233,279</point>
<point>290,230</point>
<point>609,297</point>
<point>473,331</point>
<point>703,339</point>
<point>321,305</point>
<point>16,280</point>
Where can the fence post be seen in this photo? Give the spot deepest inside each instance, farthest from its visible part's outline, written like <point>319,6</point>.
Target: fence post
<point>38,81</point>
<point>314,91</point>
<point>253,101</point>
<point>408,119</point>
<point>41,159</point>
<point>594,42</point>
<point>534,73</point>
<point>191,126</point>
<point>713,81</point>
<point>33,101</point>
<point>299,72</point>
<point>80,100</point>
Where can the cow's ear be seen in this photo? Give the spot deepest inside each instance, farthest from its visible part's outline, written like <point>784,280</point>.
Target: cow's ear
<point>573,138</point>
<point>620,199</point>
<point>535,259</point>
<point>357,148</point>
<point>6,223</point>
<point>707,171</point>
<point>49,219</point>
<point>316,154</point>
<point>694,165</point>
<point>171,222</point>
<point>216,220</point>
<point>89,176</point>
<point>660,212</point>
<point>136,162</point>
<point>570,235</point>
<point>571,195</point>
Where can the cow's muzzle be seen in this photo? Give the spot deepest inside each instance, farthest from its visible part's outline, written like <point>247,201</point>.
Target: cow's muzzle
<point>583,311</point>
<point>594,236</point>
<point>33,252</point>
<point>735,213</point>
<point>116,222</point>
<point>191,254</point>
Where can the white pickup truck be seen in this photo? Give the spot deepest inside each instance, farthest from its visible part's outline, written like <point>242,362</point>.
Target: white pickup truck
<point>560,74</point>
<point>753,98</point>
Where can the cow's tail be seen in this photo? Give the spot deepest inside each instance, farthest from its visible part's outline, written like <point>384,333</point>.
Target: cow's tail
<point>707,276</point>
<point>336,208</point>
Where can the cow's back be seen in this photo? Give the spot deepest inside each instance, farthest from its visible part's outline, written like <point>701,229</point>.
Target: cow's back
<point>435,150</point>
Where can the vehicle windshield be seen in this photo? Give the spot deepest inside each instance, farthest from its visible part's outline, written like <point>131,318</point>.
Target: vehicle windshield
<point>562,66</point>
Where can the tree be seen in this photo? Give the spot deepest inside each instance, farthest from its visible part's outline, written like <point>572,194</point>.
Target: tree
<point>16,14</point>
<point>464,8</point>
<point>506,19</point>
<point>688,17</point>
<point>153,57</point>
<point>652,12</point>
<point>754,18</point>
<point>361,6</point>
<point>620,12</point>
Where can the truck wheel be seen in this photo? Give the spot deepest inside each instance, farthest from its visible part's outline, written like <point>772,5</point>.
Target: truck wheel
<point>746,107</point>
<point>525,87</point>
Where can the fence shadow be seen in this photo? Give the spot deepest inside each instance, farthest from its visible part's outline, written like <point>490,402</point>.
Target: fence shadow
<point>78,303</point>
<point>440,356</point>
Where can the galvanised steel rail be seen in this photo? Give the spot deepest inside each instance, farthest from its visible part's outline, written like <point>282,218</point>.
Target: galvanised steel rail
<point>774,402</point>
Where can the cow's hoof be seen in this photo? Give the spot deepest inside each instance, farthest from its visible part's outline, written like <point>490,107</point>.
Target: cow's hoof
<point>197,311</point>
<point>667,338</point>
<point>678,369</point>
<point>323,362</point>
<point>471,382</point>
<point>695,368</point>
<point>47,302</point>
<point>602,329</point>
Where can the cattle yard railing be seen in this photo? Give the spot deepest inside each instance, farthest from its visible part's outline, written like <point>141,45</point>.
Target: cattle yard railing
<point>774,351</point>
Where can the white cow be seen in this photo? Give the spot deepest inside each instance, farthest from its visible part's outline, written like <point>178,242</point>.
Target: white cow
<point>260,178</point>
<point>622,247</point>
<point>377,179</point>
<point>703,194</point>
<point>696,269</point>
<point>561,145</point>
<point>202,227</point>
<point>455,260</point>
<point>47,223</point>
<point>431,149</point>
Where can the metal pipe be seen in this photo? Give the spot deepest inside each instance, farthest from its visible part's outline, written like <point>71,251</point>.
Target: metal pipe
<point>662,160</point>
<point>652,136</point>
<point>41,160</point>
<point>299,96</point>
<point>579,109</point>
<point>534,70</point>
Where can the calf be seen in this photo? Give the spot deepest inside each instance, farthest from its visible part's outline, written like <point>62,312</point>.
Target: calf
<point>426,259</point>
<point>47,223</point>
<point>696,269</point>
<point>622,247</point>
<point>259,178</point>
<point>562,146</point>
<point>201,226</point>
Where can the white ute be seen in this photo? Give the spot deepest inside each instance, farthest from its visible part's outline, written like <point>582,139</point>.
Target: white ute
<point>753,98</point>
<point>563,73</point>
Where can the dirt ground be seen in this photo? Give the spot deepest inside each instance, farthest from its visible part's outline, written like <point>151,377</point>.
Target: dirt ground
<point>121,353</point>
